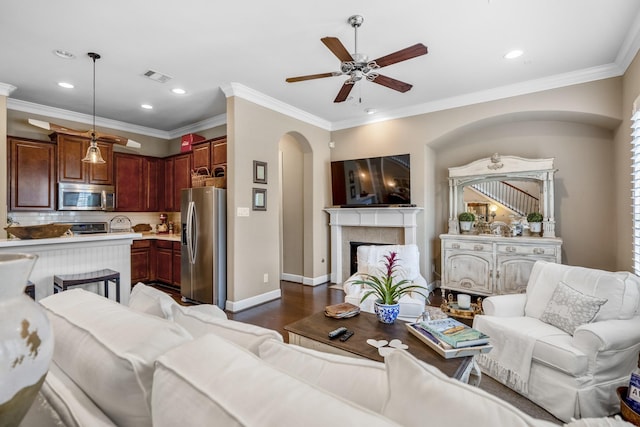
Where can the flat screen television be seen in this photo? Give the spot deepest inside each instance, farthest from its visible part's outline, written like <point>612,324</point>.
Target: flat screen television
<point>375,181</point>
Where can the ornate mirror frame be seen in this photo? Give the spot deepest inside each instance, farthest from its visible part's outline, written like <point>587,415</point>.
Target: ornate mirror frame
<point>499,168</point>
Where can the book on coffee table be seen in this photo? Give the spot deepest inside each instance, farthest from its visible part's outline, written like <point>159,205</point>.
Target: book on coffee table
<point>442,348</point>
<point>454,333</point>
<point>342,310</point>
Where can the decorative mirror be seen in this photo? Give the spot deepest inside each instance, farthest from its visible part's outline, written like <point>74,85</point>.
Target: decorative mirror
<point>498,176</point>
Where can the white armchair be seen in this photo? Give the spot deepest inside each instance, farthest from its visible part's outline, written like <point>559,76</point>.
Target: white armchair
<point>569,366</point>
<point>371,261</point>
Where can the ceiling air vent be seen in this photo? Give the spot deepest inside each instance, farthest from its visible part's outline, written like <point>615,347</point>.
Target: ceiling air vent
<point>158,77</point>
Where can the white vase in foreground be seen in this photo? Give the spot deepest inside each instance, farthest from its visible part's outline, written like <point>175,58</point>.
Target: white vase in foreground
<point>26,341</point>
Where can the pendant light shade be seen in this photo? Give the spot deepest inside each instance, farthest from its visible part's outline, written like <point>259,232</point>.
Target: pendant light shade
<point>93,152</point>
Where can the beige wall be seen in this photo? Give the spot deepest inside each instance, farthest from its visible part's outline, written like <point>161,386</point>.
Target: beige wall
<point>536,125</point>
<point>254,133</point>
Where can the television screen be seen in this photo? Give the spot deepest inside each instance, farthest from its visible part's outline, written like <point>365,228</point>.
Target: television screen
<point>376,181</point>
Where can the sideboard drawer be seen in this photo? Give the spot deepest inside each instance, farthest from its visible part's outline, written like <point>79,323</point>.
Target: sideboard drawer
<point>469,246</point>
<point>514,249</point>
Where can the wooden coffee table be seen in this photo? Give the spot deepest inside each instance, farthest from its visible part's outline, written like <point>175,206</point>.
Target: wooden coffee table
<point>311,332</point>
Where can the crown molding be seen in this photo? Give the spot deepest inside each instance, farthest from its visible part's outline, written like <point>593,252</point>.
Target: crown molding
<point>508,91</point>
<point>244,92</point>
<point>630,45</point>
<point>201,125</point>
<point>6,89</point>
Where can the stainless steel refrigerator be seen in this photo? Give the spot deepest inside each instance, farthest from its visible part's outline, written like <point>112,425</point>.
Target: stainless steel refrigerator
<point>203,276</point>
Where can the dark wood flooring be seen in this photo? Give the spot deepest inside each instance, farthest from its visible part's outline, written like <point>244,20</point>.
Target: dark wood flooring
<point>299,301</point>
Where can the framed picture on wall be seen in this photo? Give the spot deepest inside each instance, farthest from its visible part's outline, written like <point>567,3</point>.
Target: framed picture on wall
<point>259,199</point>
<point>259,172</point>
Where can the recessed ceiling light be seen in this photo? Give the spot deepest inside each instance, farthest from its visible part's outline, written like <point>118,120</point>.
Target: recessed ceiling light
<point>66,85</point>
<point>147,106</point>
<point>178,91</point>
<point>63,54</point>
<point>516,53</point>
<point>370,111</point>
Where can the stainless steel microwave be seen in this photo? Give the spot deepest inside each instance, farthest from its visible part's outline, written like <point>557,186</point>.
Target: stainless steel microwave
<point>85,197</point>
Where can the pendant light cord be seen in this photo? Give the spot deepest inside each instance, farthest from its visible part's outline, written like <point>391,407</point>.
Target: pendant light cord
<point>94,56</point>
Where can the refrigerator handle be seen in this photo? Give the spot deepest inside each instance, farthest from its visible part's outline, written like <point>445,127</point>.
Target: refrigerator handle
<point>189,242</point>
<point>194,233</point>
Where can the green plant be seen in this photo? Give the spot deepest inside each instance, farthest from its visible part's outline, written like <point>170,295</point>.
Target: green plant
<point>534,217</point>
<point>384,288</point>
<point>466,217</point>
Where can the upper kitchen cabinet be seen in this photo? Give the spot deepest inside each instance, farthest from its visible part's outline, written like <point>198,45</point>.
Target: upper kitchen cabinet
<point>210,153</point>
<point>32,175</point>
<point>137,180</point>
<point>219,152</point>
<point>71,168</point>
<point>202,155</point>
<point>177,175</point>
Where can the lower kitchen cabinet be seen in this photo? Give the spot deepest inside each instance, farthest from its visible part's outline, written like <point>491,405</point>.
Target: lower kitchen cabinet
<point>155,260</point>
<point>493,265</point>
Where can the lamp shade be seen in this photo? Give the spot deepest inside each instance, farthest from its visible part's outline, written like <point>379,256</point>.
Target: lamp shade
<point>93,154</point>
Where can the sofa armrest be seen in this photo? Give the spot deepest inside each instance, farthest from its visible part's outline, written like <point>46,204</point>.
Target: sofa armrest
<point>511,305</point>
<point>607,335</point>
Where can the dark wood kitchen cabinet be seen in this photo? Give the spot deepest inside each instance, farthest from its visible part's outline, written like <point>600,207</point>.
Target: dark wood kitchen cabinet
<point>137,180</point>
<point>164,261</point>
<point>177,259</point>
<point>32,175</point>
<point>219,152</point>
<point>202,156</point>
<point>142,252</point>
<point>71,168</point>
<point>177,175</point>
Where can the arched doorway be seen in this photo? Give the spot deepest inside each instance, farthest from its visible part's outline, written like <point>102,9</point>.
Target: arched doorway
<point>295,221</point>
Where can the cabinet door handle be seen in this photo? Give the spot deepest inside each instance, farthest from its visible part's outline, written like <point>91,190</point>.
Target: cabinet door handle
<point>478,247</point>
<point>538,251</point>
<point>510,249</point>
<point>455,246</point>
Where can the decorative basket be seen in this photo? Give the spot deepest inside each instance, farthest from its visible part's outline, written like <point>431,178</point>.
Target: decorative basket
<point>628,413</point>
<point>43,231</point>
<point>219,182</point>
<point>199,177</point>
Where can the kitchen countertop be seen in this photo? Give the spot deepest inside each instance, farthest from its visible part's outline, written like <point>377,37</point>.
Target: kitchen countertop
<point>160,236</point>
<point>81,238</point>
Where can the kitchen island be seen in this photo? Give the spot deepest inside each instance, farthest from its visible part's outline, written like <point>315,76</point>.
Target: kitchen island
<point>77,254</point>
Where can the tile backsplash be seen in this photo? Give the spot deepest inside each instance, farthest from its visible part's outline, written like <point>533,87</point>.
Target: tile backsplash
<point>34,218</point>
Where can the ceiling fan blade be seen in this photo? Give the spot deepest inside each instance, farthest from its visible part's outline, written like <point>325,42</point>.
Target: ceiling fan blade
<point>311,77</point>
<point>344,91</point>
<point>337,48</point>
<point>392,83</point>
<point>402,55</point>
<point>120,140</point>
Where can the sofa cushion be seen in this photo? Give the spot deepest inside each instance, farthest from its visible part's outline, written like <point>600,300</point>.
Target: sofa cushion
<point>147,299</point>
<point>360,381</point>
<point>216,382</point>
<point>199,323</point>
<point>419,395</point>
<point>109,351</point>
<point>620,289</point>
<point>568,308</point>
<point>558,352</point>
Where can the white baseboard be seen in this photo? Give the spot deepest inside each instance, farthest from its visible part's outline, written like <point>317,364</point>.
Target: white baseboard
<point>234,306</point>
<point>308,281</point>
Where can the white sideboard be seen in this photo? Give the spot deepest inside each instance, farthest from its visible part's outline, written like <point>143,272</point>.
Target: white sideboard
<point>492,265</point>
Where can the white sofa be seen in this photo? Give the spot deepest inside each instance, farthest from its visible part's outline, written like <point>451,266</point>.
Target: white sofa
<point>114,365</point>
<point>573,348</point>
<point>371,260</point>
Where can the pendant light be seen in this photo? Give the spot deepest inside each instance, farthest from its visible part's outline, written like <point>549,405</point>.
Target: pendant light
<point>93,152</point>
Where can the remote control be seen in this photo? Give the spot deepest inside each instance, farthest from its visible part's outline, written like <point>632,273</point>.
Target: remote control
<point>337,332</point>
<point>346,336</point>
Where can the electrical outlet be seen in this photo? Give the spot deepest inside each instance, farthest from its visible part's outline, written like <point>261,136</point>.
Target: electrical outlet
<point>265,278</point>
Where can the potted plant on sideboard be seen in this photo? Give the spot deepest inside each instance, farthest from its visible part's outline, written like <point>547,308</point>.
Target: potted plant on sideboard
<point>466,221</point>
<point>535,222</point>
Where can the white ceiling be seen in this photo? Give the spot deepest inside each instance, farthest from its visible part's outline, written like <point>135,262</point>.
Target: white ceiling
<point>205,45</point>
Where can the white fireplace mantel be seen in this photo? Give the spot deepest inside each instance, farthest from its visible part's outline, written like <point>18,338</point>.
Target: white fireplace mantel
<point>402,217</point>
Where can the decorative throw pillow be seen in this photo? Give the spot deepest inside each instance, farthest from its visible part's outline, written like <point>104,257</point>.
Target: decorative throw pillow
<point>567,309</point>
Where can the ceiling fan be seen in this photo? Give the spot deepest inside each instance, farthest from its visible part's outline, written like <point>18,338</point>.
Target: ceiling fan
<point>358,66</point>
<point>92,133</point>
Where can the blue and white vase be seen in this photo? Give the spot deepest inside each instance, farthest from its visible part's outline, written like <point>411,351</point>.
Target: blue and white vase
<point>26,340</point>
<point>387,313</point>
